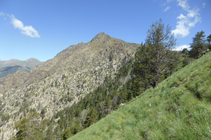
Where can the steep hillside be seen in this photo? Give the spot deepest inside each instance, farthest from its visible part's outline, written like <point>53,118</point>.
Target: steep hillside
<point>61,81</point>
<point>13,65</point>
<point>179,108</point>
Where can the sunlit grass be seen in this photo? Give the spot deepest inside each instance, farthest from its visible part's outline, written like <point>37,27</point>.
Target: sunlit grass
<point>179,108</point>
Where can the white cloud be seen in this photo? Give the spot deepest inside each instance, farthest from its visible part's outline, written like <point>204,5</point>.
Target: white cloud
<point>180,48</point>
<point>203,4</point>
<point>27,30</point>
<point>167,8</point>
<point>1,14</point>
<point>186,22</point>
<point>183,4</point>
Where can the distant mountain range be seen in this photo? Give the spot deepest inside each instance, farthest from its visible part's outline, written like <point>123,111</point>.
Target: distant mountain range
<point>13,65</point>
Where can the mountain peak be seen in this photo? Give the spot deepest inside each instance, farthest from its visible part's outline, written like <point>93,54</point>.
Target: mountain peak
<point>32,59</point>
<point>101,33</point>
<point>100,37</point>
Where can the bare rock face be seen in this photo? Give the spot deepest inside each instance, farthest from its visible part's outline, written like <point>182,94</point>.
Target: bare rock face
<point>61,81</point>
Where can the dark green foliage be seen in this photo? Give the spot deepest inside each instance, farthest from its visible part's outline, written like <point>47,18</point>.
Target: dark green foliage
<point>185,61</point>
<point>30,127</point>
<point>66,134</point>
<point>66,98</point>
<point>154,59</point>
<point>198,46</point>
<point>22,129</point>
<point>49,132</point>
<point>91,118</point>
<point>209,38</point>
<point>43,112</point>
<point>185,55</point>
<point>185,52</point>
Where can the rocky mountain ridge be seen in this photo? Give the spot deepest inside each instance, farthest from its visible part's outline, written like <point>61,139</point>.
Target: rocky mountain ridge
<point>61,81</point>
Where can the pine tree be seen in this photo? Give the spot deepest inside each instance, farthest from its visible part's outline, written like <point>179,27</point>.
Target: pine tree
<point>22,128</point>
<point>154,59</point>
<point>29,128</point>
<point>209,38</point>
<point>108,105</point>
<point>91,118</point>
<point>198,45</point>
<point>66,134</point>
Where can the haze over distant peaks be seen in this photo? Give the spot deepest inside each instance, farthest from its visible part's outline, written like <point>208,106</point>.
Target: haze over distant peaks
<point>13,65</point>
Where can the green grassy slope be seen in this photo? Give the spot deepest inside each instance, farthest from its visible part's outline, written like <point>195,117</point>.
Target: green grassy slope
<point>179,108</point>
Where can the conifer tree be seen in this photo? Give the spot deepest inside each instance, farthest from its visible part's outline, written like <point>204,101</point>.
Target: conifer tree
<point>66,134</point>
<point>198,45</point>
<point>91,118</point>
<point>29,128</point>
<point>155,58</point>
<point>209,38</point>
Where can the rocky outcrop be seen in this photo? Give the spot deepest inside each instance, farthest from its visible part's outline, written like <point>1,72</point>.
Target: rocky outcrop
<point>61,81</point>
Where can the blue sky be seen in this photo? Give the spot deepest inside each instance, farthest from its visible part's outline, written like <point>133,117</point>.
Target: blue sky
<point>42,28</point>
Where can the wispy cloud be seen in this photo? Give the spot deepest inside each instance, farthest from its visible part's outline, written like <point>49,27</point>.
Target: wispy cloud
<point>203,4</point>
<point>183,4</point>
<point>186,22</point>
<point>26,30</point>
<point>180,48</point>
<point>1,14</point>
<point>167,8</point>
